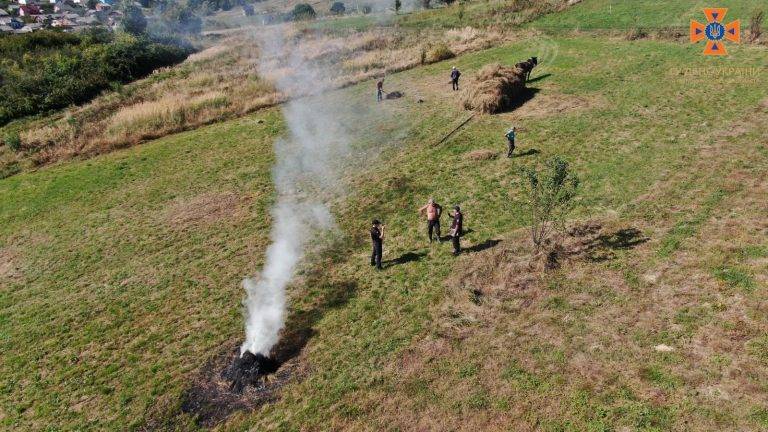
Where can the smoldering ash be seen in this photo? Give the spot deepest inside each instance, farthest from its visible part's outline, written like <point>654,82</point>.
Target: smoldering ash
<point>307,161</point>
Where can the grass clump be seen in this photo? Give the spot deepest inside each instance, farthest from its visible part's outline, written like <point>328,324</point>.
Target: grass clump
<point>439,52</point>
<point>13,141</point>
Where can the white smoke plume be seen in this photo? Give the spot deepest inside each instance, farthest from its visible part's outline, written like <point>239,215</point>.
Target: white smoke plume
<point>308,161</point>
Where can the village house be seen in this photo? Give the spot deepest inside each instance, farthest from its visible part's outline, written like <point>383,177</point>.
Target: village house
<point>29,10</point>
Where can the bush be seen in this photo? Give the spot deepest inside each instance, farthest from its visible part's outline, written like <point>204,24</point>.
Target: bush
<point>303,11</point>
<point>549,196</point>
<point>338,8</point>
<point>439,52</point>
<point>134,21</point>
<point>13,141</point>
<point>71,69</point>
<point>636,33</point>
<point>756,25</point>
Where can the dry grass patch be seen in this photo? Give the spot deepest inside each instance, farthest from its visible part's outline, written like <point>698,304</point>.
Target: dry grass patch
<point>9,267</point>
<point>205,209</point>
<point>548,104</point>
<point>481,155</point>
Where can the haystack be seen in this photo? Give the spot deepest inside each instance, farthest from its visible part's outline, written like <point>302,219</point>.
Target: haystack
<point>494,89</point>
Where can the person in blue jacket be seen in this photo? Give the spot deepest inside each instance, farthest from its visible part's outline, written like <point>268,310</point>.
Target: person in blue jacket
<point>511,138</point>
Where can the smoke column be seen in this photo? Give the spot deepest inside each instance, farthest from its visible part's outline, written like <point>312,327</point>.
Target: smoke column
<point>308,161</point>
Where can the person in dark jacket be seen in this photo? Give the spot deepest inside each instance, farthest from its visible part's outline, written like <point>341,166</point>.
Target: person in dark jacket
<point>377,239</point>
<point>380,90</point>
<point>511,135</point>
<point>455,74</point>
<point>457,229</point>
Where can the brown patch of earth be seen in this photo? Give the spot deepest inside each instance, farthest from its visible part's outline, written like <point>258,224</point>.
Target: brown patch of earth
<point>9,267</point>
<point>204,209</point>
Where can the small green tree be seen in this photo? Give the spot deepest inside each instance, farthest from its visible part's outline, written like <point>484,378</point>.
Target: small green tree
<point>398,5</point>
<point>549,195</point>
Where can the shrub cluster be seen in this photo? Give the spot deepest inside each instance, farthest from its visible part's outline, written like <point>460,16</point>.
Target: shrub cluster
<point>48,70</point>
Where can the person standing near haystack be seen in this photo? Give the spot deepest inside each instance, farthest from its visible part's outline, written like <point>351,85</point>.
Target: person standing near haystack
<point>433,211</point>
<point>457,229</point>
<point>455,74</point>
<point>380,90</point>
<point>377,239</point>
<point>511,135</point>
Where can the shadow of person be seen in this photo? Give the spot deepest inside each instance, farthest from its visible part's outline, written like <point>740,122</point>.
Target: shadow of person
<point>448,237</point>
<point>404,259</point>
<point>481,246</point>
<point>528,152</point>
<point>299,326</point>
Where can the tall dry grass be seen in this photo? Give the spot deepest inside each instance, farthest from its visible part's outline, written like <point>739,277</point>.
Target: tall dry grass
<point>222,82</point>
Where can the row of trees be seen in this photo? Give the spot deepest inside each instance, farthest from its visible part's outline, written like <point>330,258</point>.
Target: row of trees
<point>49,70</point>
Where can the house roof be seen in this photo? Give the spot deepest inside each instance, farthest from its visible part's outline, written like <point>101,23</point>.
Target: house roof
<point>30,9</point>
<point>3,12</point>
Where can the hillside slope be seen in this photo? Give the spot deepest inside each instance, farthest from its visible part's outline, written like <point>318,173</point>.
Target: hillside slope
<point>119,277</point>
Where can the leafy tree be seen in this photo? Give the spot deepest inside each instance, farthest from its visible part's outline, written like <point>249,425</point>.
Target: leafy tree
<point>91,4</point>
<point>549,196</point>
<point>133,20</point>
<point>303,11</point>
<point>398,5</point>
<point>366,9</point>
<point>338,8</point>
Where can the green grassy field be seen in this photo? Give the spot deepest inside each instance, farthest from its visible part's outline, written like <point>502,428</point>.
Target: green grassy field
<point>119,275</point>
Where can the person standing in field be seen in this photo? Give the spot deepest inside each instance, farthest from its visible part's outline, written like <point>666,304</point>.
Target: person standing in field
<point>377,240</point>
<point>457,229</point>
<point>380,90</point>
<point>455,74</point>
<point>511,135</point>
<point>433,212</point>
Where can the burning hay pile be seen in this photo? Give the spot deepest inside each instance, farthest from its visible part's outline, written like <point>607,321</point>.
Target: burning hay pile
<point>494,89</point>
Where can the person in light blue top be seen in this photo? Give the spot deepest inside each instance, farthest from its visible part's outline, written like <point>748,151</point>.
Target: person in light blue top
<point>511,138</point>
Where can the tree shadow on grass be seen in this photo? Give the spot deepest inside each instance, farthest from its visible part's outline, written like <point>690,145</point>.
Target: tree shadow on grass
<point>603,247</point>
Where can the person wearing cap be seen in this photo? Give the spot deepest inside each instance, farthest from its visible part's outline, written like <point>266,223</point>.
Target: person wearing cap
<point>511,134</point>
<point>457,229</point>
<point>455,74</point>
<point>433,211</point>
<point>377,238</point>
